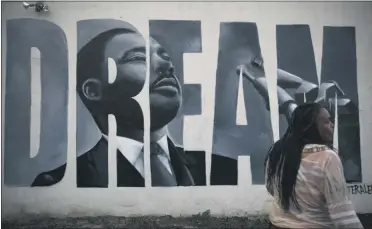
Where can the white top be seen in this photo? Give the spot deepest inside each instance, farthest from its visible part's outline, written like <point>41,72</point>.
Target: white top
<point>321,193</point>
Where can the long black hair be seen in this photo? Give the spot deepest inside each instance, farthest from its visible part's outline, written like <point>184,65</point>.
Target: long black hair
<point>284,157</point>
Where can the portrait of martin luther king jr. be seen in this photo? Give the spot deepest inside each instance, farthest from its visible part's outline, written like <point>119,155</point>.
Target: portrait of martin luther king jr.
<point>170,164</point>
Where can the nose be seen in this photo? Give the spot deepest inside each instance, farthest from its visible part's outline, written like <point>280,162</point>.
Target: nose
<point>163,66</point>
<point>167,71</point>
<point>170,69</point>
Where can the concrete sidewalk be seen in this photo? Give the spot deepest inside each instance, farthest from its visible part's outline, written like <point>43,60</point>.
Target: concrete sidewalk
<point>197,221</point>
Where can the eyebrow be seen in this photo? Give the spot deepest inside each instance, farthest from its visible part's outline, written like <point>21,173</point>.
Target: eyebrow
<point>133,50</point>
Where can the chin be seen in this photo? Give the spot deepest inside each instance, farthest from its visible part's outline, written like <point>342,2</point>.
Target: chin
<point>165,102</point>
<point>163,110</point>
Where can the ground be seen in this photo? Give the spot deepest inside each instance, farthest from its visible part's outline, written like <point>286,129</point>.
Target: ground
<point>198,221</point>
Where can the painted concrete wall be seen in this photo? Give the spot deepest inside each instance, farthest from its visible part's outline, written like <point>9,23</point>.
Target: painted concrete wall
<point>220,77</point>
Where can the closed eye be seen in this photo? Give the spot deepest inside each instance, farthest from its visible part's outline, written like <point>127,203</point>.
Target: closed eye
<point>163,54</point>
<point>135,57</point>
<point>135,54</point>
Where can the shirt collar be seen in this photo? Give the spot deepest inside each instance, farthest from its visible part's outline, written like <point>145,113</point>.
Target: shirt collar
<point>163,143</point>
<point>311,148</point>
<point>132,149</point>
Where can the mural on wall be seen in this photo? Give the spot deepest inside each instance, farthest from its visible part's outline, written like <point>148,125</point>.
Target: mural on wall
<point>122,42</point>
<point>338,85</point>
<point>101,41</point>
<point>19,168</point>
<point>338,82</point>
<point>238,44</point>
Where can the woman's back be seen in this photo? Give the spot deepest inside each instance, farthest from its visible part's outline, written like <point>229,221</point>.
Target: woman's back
<point>321,194</point>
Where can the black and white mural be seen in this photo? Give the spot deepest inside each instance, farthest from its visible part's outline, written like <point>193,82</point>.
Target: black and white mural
<point>112,65</point>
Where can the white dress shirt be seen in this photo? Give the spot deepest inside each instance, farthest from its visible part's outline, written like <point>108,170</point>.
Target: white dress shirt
<point>133,152</point>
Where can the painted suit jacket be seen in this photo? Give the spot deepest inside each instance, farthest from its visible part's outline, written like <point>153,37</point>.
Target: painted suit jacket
<point>92,168</point>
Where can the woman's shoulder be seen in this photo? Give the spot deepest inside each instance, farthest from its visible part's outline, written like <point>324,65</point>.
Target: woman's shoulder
<point>320,153</point>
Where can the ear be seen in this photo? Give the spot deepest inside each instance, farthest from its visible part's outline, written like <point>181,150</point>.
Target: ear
<point>92,89</point>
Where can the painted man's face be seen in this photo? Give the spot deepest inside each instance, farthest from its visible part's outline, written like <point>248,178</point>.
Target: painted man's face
<point>129,52</point>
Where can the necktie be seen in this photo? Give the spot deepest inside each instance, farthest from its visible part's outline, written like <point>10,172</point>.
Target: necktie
<point>160,175</point>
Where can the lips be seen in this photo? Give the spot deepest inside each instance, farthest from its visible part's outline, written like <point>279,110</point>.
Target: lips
<point>165,82</point>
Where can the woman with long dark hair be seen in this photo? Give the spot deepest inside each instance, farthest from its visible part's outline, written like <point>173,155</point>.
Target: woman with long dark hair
<point>304,174</point>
